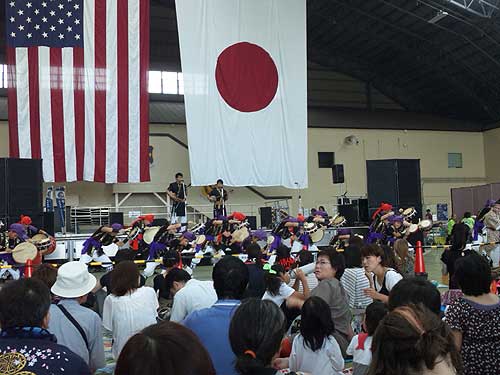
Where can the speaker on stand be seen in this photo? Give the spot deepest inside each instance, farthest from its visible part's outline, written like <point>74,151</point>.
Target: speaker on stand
<point>266,216</point>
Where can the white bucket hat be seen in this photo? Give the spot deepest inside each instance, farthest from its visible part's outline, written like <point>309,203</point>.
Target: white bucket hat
<point>73,281</point>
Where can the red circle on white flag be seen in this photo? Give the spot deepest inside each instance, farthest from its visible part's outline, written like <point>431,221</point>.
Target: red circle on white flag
<point>246,77</point>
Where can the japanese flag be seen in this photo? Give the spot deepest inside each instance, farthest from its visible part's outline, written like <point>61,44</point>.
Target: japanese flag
<point>244,68</point>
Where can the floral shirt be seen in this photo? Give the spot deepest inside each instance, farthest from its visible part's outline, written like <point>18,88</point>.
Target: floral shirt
<point>34,351</point>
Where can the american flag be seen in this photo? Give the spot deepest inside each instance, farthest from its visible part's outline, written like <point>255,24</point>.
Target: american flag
<point>77,97</point>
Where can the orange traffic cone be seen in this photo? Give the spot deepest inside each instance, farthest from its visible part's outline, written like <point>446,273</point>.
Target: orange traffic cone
<point>493,287</point>
<point>28,270</point>
<point>419,262</point>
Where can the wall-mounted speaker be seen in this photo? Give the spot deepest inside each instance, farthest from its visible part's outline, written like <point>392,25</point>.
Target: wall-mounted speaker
<point>338,174</point>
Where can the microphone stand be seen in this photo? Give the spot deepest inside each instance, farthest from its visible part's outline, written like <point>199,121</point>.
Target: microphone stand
<point>185,199</point>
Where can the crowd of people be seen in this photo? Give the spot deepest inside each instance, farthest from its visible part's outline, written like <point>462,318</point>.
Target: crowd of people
<point>355,308</point>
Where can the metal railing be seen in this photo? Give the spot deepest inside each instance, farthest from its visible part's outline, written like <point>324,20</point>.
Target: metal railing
<point>84,218</point>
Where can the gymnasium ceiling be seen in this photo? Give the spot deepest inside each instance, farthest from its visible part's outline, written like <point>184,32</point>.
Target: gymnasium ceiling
<point>450,68</point>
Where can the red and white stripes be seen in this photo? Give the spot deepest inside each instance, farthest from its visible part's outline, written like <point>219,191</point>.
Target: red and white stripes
<point>84,111</point>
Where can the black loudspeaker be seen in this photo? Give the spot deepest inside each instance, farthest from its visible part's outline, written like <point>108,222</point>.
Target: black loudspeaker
<point>350,212</point>
<point>326,159</point>
<point>394,181</point>
<point>21,190</point>
<point>117,217</point>
<point>364,215</point>
<point>266,216</point>
<point>252,220</point>
<point>338,174</point>
<point>49,223</point>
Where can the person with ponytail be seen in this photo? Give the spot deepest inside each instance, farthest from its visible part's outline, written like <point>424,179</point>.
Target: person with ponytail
<point>315,350</point>
<point>277,289</point>
<point>411,340</point>
<point>255,334</point>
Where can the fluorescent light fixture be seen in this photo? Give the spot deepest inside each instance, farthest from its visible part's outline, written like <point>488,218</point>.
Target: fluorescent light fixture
<point>440,15</point>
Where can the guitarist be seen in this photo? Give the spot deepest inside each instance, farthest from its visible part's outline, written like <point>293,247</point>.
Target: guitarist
<point>178,193</point>
<point>218,195</point>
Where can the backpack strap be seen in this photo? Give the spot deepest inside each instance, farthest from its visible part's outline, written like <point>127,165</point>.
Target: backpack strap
<point>75,323</point>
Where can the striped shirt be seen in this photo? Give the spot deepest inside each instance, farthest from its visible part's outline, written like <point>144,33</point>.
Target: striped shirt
<point>354,281</point>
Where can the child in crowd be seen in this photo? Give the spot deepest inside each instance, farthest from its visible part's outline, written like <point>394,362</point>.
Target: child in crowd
<point>284,258</point>
<point>361,345</point>
<point>277,290</point>
<point>315,350</point>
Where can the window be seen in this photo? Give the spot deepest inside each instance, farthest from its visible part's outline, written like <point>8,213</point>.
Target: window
<point>155,86</point>
<point>455,160</point>
<point>326,159</point>
<point>160,82</point>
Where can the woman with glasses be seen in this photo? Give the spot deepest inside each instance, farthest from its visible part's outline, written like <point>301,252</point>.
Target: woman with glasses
<point>330,266</point>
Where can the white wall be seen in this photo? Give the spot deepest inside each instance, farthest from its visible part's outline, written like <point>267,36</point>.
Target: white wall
<point>431,147</point>
<point>492,154</point>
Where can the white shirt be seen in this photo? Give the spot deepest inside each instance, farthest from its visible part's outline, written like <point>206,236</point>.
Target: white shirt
<point>195,295</point>
<point>361,356</point>
<point>325,361</point>
<point>391,279</point>
<point>128,314</point>
<point>284,292</point>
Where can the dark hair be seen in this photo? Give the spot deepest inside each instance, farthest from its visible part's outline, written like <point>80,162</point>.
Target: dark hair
<point>220,180</point>
<point>375,312</point>
<point>273,280</point>
<point>473,274</point>
<point>170,258</point>
<point>179,174</point>
<point>467,215</point>
<point>337,261</point>
<point>46,273</point>
<point>125,254</point>
<point>374,250</point>
<point>316,323</point>
<point>230,276</point>
<point>305,257</point>
<point>24,303</point>
<point>257,326</point>
<point>412,338</point>
<point>459,235</point>
<point>176,274</point>
<point>254,252</point>
<point>352,255</point>
<point>414,291</point>
<point>282,252</point>
<point>389,258</point>
<point>124,278</point>
<point>164,348</point>
<point>356,241</point>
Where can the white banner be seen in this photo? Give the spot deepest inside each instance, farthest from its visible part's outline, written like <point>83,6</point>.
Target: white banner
<point>245,89</point>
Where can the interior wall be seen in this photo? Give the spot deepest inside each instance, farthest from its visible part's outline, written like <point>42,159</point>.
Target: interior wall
<point>480,153</point>
<point>492,154</point>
